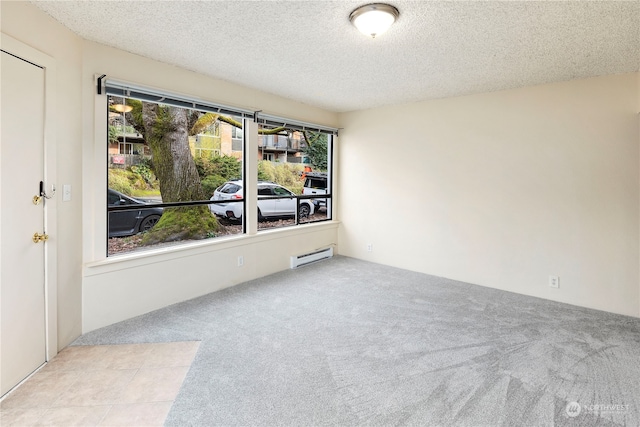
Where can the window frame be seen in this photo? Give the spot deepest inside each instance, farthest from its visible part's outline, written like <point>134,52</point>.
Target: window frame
<point>250,120</point>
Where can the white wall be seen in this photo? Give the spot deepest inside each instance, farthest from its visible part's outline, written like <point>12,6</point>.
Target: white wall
<point>124,289</point>
<point>502,189</point>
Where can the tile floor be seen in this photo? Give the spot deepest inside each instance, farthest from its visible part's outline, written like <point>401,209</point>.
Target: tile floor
<point>104,385</point>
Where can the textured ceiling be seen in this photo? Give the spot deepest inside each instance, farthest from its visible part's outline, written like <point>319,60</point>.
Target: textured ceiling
<point>308,50</point>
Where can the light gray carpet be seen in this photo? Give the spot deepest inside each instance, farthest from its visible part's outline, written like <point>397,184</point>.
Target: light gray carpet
<point>347,342</point>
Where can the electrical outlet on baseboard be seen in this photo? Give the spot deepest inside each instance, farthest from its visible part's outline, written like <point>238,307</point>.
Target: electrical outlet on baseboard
<point>240,261</point>
<point>370,247</point>
<point>554,282</point>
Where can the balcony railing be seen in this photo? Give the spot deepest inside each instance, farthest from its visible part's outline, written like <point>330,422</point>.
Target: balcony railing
<point>280,142</point>
<point>125,160</point>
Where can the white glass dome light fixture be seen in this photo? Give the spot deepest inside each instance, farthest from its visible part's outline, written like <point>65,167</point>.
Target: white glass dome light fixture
<point>374,19</point>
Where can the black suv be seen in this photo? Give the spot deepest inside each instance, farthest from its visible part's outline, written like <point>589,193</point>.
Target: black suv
<point>316,183</point>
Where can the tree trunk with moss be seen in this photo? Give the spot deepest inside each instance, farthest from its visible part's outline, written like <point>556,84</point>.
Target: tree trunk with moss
<point>167,133</point>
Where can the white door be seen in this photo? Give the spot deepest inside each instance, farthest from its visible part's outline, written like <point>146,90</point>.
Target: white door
<point>22,293</point>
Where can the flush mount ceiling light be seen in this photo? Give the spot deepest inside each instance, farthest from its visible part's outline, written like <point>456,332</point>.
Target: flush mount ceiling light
<point>122,108</point>
<point>374,19</point>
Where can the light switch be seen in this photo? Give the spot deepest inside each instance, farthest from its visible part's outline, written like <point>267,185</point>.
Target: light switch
<point>66,193</point>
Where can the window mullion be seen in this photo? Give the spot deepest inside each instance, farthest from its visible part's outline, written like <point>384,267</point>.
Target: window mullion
<point>251,176</point>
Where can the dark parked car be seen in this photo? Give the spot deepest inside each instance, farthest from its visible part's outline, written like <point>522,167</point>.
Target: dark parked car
<point>127,223</point>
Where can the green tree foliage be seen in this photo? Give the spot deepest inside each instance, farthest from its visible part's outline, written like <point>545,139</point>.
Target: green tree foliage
<point>211,182</point>
<point>215,171</point>
<point>316,149</point>
<point>286,174</point>
<point>145,172</point>
<point>226,166</point>
<point>113,134</point>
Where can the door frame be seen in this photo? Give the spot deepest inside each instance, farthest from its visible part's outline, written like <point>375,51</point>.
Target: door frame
<point>21,50</point>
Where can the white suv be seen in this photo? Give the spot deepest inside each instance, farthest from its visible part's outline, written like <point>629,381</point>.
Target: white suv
<point>267,207</point>
<point>316,183</point>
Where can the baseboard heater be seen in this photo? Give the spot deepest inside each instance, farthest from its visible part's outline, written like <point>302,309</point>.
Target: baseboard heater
<point>305,259</point>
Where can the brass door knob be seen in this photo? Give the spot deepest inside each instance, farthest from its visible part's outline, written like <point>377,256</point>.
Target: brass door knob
<point>36,200</point>
<point>37,238</point>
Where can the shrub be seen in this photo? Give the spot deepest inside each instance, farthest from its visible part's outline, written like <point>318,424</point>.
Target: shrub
<point>285,174</point>
<point>227,167</point>
<point>137,180</point>
<point>119,181</point>
<point>113,135</point>
<point>211,182</point>
<point>145,172</point>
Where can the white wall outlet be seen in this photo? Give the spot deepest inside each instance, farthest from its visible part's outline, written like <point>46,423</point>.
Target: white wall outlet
<point>554,282</point>
<point>240,261</point>
<point>370,247</point>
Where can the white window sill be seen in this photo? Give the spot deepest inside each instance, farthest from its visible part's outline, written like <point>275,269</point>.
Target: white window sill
<point>152,256</point>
